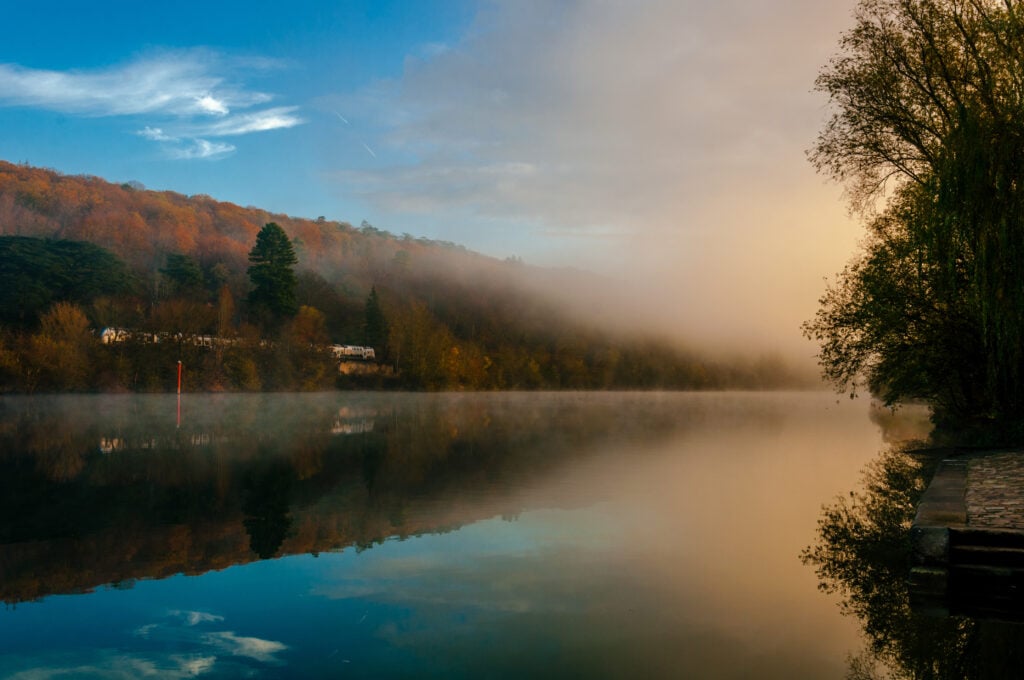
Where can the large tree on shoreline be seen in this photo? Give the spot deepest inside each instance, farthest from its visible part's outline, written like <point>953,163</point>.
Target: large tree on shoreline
<point>927,133</point>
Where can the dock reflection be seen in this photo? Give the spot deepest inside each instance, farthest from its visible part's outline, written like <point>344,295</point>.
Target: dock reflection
<point>863,553</point>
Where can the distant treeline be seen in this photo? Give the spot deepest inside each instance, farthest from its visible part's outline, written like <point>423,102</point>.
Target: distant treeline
<point>78,254</point>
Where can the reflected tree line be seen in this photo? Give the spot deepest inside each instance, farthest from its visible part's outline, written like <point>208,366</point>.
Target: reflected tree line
<point>98,491</point>
<point>862,554</point>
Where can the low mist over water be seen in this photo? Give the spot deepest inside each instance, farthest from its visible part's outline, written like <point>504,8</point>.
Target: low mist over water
<point>610,534</point>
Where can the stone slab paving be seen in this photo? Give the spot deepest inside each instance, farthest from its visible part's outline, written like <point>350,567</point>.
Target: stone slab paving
<point>967,540</point>
<point>995,491</point>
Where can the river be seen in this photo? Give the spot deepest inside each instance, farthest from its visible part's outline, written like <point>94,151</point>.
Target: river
<point>426,535</point>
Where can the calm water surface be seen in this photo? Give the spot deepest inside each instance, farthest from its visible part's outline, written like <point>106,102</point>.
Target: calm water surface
<point>390,535</point>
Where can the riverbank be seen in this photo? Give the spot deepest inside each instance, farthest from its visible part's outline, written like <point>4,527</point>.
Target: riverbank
<point>967,537</point>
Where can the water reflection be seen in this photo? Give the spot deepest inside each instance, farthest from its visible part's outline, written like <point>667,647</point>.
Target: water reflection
<point>497,535</point>
<point>96,491</point>
<point>267,499</point>
<point>863,554</point>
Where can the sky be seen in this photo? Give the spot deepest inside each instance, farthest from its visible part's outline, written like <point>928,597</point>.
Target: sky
<point>659,142</point>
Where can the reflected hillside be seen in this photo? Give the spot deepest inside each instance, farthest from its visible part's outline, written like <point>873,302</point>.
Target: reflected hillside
<point>101,490</point>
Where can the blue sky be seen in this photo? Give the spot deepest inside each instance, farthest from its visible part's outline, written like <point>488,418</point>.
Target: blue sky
<point>221,98</point>
<point>658,141</point>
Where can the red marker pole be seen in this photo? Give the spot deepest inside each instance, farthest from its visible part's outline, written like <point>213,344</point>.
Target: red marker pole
<point>179,393</point>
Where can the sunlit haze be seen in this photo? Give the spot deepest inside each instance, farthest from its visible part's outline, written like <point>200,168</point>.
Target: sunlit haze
<point>660,143</point>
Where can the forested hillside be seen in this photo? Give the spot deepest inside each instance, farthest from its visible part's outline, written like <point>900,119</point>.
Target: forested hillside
<point>438,315</point>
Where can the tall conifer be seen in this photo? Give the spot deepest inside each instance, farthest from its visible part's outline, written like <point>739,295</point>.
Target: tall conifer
<point>272,259</point>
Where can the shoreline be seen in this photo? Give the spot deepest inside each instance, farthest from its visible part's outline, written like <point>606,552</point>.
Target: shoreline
<point>967,537</point>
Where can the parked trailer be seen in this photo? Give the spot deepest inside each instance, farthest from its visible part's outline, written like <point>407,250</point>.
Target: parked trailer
<point>348,352</point>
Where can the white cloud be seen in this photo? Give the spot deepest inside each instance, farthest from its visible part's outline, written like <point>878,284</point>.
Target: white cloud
<point>156,134</point>
<point>257,121</point>
<point>189,91</point>
<point>212,105</point>
<point>182,83</point>
<point>200,148</point>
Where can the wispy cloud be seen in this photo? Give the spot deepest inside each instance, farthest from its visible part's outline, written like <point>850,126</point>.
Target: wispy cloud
<point>259,121</point>
<point>188,93</point>
<point>201,148</point>
<point>186,148</point>
<point>178,83</point>
<point>156,134</point>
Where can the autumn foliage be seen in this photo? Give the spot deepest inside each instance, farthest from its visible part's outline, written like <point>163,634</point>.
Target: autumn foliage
<point>439,316</point>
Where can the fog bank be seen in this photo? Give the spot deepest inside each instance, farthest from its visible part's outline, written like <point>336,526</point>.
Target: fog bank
<point>659,143</point>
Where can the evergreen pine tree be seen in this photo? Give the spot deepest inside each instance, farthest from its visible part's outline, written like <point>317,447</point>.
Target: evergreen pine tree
<point>272,298</point>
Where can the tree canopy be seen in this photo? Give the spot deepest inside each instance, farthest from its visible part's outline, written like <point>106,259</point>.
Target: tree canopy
<point>35,273</point>
<point>183,275</point>
<point>272,274</point>
<point>927,132</point>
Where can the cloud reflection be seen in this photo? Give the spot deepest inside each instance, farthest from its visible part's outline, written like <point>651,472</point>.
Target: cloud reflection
<point>551,611</point>
<point>195,653</point>
<point>193,618</point>
<point>254,648</point>
<point>113,665</point>
<point>685,567</point>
